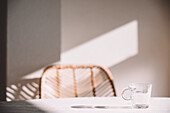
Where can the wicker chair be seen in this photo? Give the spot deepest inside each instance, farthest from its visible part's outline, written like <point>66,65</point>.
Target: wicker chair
<point>64,81</point>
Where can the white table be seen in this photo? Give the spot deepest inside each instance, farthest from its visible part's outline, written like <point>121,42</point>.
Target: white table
<point>114,104</point>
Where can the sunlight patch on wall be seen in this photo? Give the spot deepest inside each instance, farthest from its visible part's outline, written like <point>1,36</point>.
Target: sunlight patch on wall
<point>108,49</point>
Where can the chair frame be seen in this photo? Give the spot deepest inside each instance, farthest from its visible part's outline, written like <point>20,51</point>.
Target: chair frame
<point>73,67</point>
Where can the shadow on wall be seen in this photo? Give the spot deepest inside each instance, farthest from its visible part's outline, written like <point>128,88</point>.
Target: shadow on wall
<point>23,90</point>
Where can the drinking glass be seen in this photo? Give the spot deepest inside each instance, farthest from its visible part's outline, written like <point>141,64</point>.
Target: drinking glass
<point>140,94</point>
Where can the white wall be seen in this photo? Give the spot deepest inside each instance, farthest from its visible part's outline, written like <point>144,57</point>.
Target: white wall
<point>33,42</point>
<point>33,36</point>
<point>86,20</point>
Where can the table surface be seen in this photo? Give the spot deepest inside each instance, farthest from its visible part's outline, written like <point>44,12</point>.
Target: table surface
<point>90,104</point>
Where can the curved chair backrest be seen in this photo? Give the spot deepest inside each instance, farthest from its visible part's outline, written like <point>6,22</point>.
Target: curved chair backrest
<point>60,81</point>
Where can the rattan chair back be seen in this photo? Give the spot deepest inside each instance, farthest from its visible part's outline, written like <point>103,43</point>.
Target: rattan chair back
<point>61,81</point>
